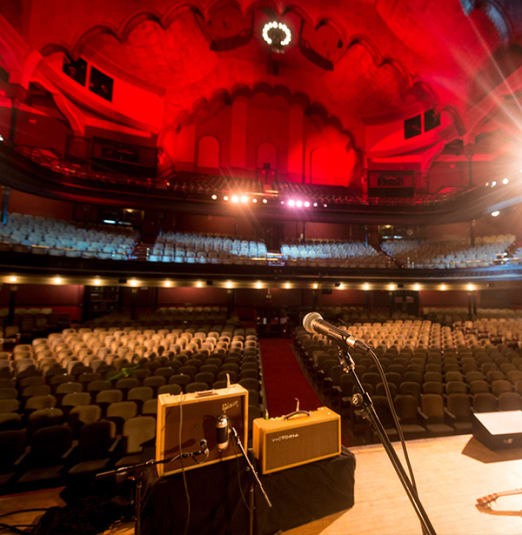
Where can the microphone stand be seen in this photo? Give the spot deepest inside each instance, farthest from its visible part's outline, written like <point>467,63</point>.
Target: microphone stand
<point>250,465</point>
<point>133,472</point>
<point>363,402</point>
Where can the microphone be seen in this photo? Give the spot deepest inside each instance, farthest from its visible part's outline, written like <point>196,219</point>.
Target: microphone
<point>313,322</point>
<point>222,432</point>
<point>203,447</point>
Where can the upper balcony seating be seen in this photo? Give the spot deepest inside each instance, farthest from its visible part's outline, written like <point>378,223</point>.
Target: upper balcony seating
<point>335,254</point>
<point>186,247</point>
<point>42,235</point>
<point>448,254</point>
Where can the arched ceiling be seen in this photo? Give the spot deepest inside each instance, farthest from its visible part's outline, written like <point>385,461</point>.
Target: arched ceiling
<point>364,60</point>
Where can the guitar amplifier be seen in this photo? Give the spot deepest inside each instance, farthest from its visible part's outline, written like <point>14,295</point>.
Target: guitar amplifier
<point>193,417</point>
<point>284,442</point>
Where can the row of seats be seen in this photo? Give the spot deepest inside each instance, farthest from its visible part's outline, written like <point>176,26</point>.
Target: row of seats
<point>43,235</point>
<point>435,390</point>
<point>104,414</point>
<point>448,254</point>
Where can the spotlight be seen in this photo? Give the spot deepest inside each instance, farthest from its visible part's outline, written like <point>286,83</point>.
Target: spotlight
<point>259,285</point>
<point>97,281</point>
<point>417,286</point>
<point>229,284</point>
<point>307,204</point>
<point>366,286</point>
<point>392,286</point>
<point>225,198</point>
<point>287,285</point>
<point>167,284</point>
<point>244,199</point>
<point>495,213</point>
<point>134,283</point>
<point>315,205</point>
<point>1,138</point>
<point>291,203</point>
<point>13,278</point>
<point>470,287</point>
<point>235,199</point>
<point>214,197</point>
<point>299,204</point>
<point>443,287</point>
<point>282,202</point>
<point>505,181</point>
<point>315,285</point>
<point>254,201</point>
<point>264,201</point>
<point>199,284</point>
<point>494,183</point>
<point>57,280</point>
<point>325,205</point>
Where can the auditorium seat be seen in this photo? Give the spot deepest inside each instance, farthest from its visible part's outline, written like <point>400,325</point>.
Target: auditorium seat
<point>137,431</point>
<point>458,408</point>
<point>433,415</point>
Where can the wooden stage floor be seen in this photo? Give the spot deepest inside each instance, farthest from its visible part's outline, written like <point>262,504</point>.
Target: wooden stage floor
<point>451,473</point>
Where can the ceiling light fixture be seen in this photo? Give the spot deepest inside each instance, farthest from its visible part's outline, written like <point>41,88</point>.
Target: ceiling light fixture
<point>277,35</point>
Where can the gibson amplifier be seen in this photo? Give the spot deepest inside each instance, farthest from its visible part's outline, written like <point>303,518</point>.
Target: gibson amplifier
<point>184,420</point>
<point>288,441</point>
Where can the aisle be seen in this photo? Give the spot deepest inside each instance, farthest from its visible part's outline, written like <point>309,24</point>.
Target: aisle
<point>284,381</point>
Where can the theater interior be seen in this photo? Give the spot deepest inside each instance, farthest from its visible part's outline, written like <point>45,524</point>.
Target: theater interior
<point>277,216</point>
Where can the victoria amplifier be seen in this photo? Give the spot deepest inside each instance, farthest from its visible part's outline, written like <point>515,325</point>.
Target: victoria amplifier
<point>284,442</point>
<point>194,417</point>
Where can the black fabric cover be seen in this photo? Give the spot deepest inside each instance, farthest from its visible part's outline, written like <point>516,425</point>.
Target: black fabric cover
<point>305,493</point>
<point>218,506</point>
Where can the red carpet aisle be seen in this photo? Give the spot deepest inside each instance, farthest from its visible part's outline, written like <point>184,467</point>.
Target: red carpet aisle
<point>283,378</point>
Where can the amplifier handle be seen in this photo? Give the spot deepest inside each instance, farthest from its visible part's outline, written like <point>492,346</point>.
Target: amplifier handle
<point>296,412</point>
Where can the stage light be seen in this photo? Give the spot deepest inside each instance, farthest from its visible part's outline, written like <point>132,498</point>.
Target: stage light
<point>1,138</point>
<point>340,286</point>
<point>264,201</point>
<point>13,278</point>
<point>315,205</point>
<point>214,197</point>
<point>392,286</point>
<point>315,285</point>
<point>299,204</point>
<point>134,282</point>
<point>366,286</point>
<point>259,285</point>
<point>167,284</point>
<point>234,199</point>
<point>291,203</point>
<point>282,202</point>
<point>287,285</point>
<point>254,201</point>
<point>443,287</point>
<point>495,213</point>
<point>470,287</point>
<point>244,199</point>
<point>325,205</point>
<point>225,198</point>
<point>486,184</point>
<point>97,281</point>
<point>306,204</point>
<point>199,284</point>
<point>229,284</point>
<point>494,183</point>
<point>505,181</point>
<point>57,279</point>
<point>417,286</point>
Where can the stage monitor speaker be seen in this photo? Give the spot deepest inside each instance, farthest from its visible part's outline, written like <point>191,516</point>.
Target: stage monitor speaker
<point>498,430</point>
<point>194,416</point>
<point>284,442</point>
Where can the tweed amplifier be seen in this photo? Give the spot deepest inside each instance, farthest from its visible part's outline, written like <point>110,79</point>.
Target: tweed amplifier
<point>194,417</point>
<point>284,442</point>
